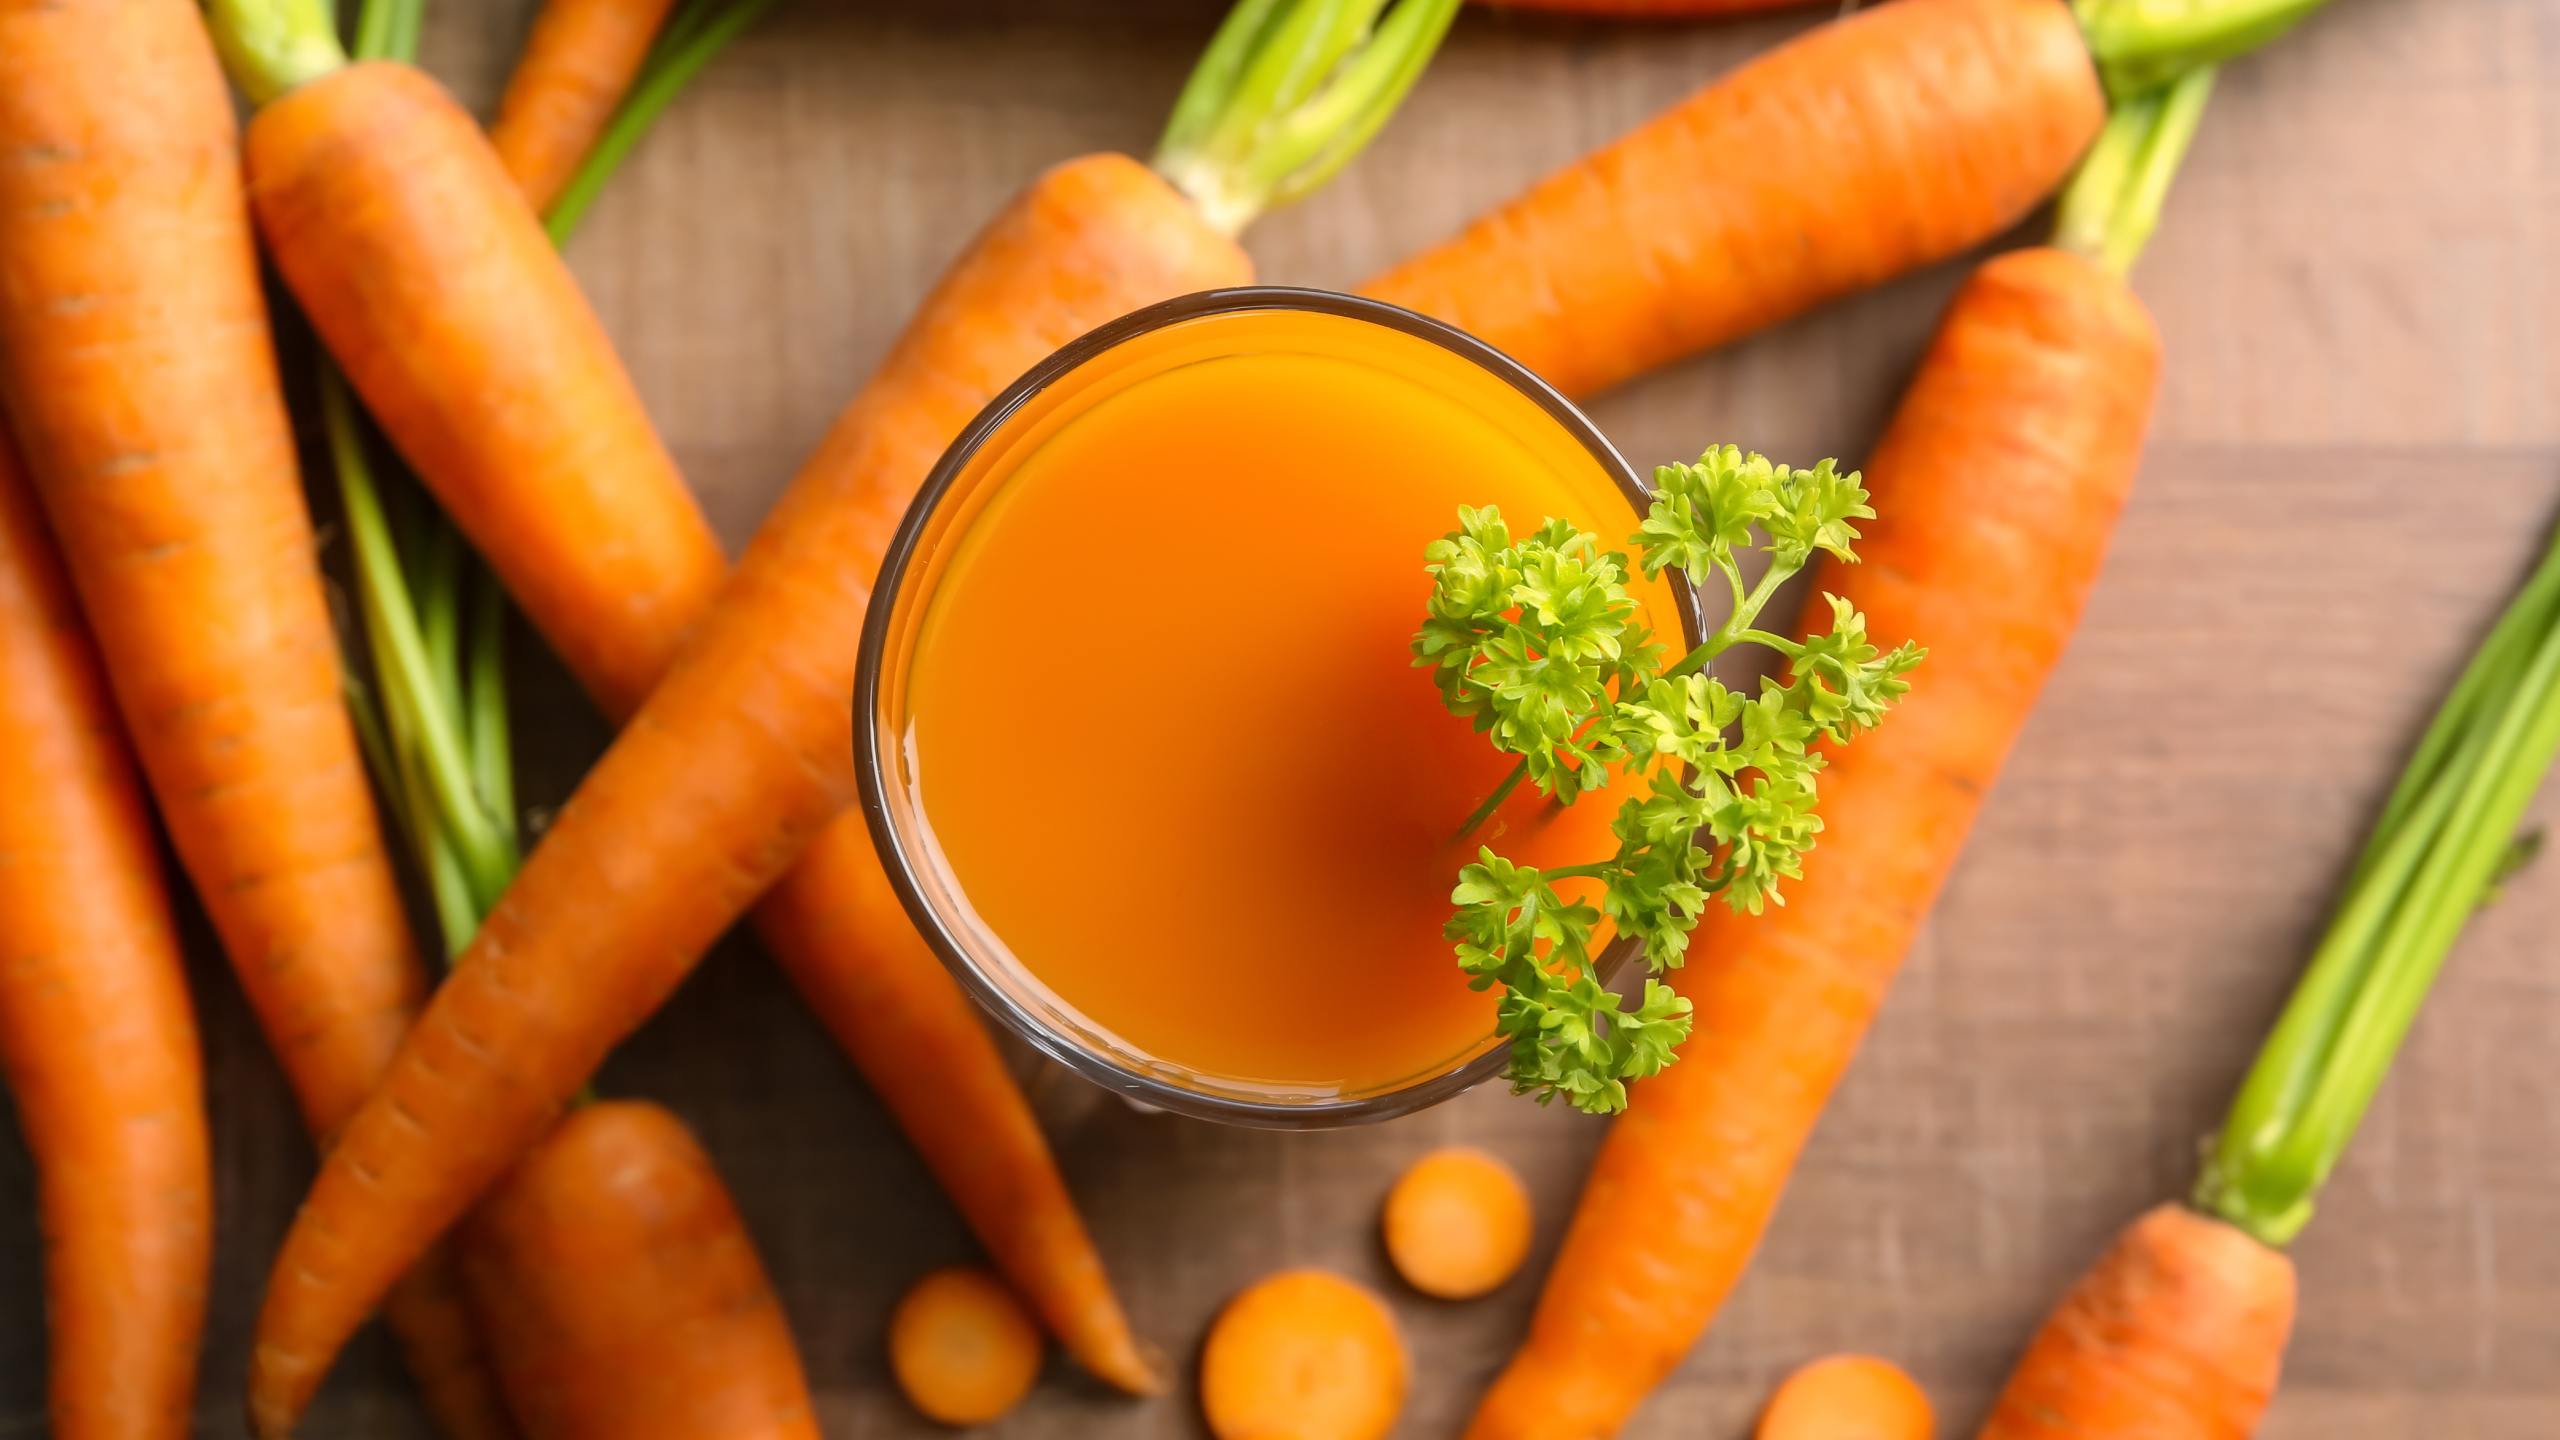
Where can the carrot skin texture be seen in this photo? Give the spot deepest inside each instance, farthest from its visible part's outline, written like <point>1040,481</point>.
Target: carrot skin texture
<point>622,1295</point>
<point>578,62</point>
<point>735,763</point>
<point>2176,1333</point>
<point>97,1038</point>
<point>138,371</point>
<point>1998,484</point>
<point>1862,149</point>
<point>437,292</point>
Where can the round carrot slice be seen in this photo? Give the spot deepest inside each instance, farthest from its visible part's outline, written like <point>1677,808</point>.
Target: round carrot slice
<point>963,1348</point>
<point>1457,1223</point>
<point>1303,1355</point>
<point>1847,1397</point>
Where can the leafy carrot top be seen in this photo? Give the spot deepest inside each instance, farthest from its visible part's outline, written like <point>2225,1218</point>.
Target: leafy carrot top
<point>1536,640</point>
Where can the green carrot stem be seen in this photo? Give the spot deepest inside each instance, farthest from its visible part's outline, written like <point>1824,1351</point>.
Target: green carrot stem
<point>2485,683</point>
<point>419,711</point>
<point>2141,45</point>
<point>2448,837</point>
<point>270,47</point>
<point>440,606</point>
<point>679,54</point>
<point>485,701</point>
<point>2112,205</point>
<point>1287,93</point>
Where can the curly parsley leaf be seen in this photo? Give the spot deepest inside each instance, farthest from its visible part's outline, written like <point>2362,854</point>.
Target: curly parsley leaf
<point>1536,640</point>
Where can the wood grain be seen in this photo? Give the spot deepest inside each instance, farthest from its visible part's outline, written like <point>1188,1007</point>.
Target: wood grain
<point>2358,447</point>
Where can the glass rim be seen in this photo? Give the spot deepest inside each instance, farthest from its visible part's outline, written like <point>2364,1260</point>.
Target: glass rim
<point>874,782</point>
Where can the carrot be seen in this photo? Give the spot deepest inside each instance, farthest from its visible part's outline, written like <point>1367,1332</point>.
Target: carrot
<point>742,757</point>
<point>137,369</point>
<point>1303,1352</point>
<point>97,1039</point>
<point>962,1348</point>
<point>437,292</point>
<point>1862,149</point>
<point>2177,1332</point>
<point>1457,1223</point>
<point>578,62</point>
<point>1998,483</point>
<point>1847,1397</point>
<point>622,1296</point>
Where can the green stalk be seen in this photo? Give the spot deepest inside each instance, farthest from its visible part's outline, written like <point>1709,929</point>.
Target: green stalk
<point>421,713</point>
<point>689,43</point>
<point>2141,45</point>
<point>2446,839</point>
<point>484,700</point>
<point>1287,93</point>
<point>2112,205</point>
<point>270,47</point>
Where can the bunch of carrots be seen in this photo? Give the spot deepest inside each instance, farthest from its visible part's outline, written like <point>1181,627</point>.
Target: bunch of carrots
<point>559,1265</point>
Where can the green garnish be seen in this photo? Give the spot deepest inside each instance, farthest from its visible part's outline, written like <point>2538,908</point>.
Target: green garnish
<point>1537,642</point>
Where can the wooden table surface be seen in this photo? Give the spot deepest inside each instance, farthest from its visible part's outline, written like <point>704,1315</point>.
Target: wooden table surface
<point>2357,449</point>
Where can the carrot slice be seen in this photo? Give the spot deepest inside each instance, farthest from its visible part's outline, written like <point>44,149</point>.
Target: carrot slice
<point>964,1349</point>
<point>1847,1397</point>
<point>1457,1223</point>
<point>1304,1353</point>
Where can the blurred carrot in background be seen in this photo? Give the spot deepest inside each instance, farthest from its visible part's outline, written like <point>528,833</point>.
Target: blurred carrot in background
<point>97,1039</point>
<point>577,64</point>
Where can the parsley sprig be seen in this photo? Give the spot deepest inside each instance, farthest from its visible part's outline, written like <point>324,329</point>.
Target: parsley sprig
<point>1536,641</point>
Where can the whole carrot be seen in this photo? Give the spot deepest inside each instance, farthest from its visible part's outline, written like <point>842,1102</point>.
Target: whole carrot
<point>620,1291</point>
<point>1862,149</point>
<point>97,1039</point>
<point>437,292</point>
<point>577,64</point>
<point>742,756</point>
<point>137,370</point>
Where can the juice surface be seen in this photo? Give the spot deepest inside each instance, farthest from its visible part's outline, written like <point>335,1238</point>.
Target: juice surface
<point>1164,725</point>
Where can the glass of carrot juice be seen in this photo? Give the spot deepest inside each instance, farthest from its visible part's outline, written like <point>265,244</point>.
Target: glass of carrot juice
<point>1138,727</point>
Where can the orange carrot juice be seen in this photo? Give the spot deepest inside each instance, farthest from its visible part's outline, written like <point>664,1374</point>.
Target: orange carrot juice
<point>1162,727</point>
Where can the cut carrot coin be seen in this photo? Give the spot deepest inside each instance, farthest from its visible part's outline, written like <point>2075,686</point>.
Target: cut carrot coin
<point>1457,1223</point>
<point>1303,1355</point>
<point>1847,1397</point>
<point>963,1348</point>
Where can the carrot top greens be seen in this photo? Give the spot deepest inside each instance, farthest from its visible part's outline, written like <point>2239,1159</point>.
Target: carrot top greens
<point>1536,640</point>
<point>1287,92</point>
<point>2446,840</point>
